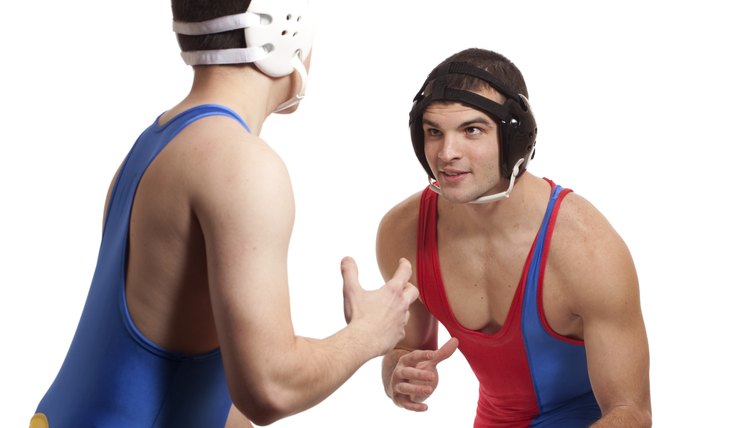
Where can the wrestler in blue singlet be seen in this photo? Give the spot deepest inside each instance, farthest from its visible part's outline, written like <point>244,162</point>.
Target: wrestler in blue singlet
<point>112,376</point>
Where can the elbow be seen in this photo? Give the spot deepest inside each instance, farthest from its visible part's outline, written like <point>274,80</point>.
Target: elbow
<point>263,406</point>
<point>267,391</point>
<point>646,419</point>
<point>641,420</point>
<point>642,417</point>
<point>626,416</point>
<point>264,417</point>
<point>261,413</point>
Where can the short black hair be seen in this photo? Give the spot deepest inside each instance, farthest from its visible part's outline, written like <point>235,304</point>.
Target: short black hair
<point>496,64</point>
<point>203,10</point>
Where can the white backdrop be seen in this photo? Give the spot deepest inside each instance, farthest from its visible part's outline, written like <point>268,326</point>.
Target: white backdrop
<point>641,107</point>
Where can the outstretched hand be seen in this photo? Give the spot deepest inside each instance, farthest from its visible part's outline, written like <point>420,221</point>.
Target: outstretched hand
<point>381,313</point>
<point>415,376</point>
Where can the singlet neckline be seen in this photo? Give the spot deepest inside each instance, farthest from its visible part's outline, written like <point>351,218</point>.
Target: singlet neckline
<point>209,106</point>
<point>517,301</point>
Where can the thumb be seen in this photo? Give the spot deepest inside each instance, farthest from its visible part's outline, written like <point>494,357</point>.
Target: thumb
<point>350,275</point>
<point>446,350</point>
<point>403,273</point>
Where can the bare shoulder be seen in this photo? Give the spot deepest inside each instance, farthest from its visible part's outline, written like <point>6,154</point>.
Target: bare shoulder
<point>221,141</point>
<point>397,234</point>
<point>231,176</point>
<point>590,257</point>
<point>223,160</point>
<point>402,216</point>
<point>579,217</point>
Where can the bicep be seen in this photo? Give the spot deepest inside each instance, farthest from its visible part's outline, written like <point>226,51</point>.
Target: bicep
<point>614,331</point>
<point>246,212</point>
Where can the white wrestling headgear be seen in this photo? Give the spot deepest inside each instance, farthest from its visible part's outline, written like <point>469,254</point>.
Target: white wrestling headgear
<point>278,36</point>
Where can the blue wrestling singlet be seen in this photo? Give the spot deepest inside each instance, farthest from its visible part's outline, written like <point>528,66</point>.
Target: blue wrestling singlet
<point>529,376</point>
<point>113,376</point>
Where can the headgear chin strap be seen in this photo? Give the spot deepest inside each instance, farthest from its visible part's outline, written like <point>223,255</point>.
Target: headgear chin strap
<point>278,36</point>
<point>435,187</point>
<point>291,102</point>
<point>516,123</point>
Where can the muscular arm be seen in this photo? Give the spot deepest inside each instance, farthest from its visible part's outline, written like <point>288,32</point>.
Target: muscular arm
<point>606,298</point>
<point>245,207</point>
<point>397,237</point>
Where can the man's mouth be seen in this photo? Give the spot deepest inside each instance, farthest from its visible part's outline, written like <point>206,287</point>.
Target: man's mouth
<point>453,175</point>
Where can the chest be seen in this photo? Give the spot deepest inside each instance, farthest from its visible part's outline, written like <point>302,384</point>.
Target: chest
<point>482,277</point>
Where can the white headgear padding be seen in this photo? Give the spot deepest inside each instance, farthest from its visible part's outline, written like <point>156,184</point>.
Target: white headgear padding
<point>277,32</point>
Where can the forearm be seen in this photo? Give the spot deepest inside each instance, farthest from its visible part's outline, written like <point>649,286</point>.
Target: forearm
<point>305,373</point>
<point>324,365</point>
<point>624,417</point>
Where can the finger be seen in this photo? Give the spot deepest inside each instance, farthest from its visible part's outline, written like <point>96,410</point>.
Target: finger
<point>405,402</point>
<point>411,293</point>
<point>402,273</point>
<point>446,350</point>
<point>350,274</point>
<point>413,374</point>
<point>413,389</point>
<point>415,357</point>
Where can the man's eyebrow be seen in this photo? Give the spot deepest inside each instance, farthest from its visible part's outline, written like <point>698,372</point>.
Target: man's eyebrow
<point>477,120</point>
<point>474,121</point>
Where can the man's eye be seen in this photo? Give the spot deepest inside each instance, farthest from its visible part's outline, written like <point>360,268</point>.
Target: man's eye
<point>433,132</point>
<point>473,130</point>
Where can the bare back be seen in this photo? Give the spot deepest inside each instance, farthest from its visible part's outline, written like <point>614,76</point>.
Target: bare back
<point>167,278</point>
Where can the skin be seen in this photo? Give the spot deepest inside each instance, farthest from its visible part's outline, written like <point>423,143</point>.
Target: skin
<point>590,286</point>
<point>210,230</point>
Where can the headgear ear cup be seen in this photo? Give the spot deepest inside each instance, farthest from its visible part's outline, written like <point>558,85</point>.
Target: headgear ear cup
<point>288,33</point>
<point>276,33</point>
<point>518,136</point>
<point>278,39</point>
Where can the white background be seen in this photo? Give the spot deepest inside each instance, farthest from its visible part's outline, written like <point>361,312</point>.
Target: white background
<point>641,106</point>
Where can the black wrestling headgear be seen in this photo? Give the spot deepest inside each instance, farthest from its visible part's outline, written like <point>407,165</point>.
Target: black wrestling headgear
<point>514,117</point>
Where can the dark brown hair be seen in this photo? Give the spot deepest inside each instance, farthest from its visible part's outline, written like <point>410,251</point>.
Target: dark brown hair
<point>203,10</point>
<point>498,65</point>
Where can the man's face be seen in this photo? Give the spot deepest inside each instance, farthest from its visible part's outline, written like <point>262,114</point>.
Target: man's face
<point>461,147</point>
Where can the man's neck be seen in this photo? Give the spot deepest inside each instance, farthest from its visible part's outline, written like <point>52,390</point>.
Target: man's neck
<point>527,200</point>
<point>242,88</point>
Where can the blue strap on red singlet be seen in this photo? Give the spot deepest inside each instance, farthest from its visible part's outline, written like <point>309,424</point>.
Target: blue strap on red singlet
<point>558,365</point>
